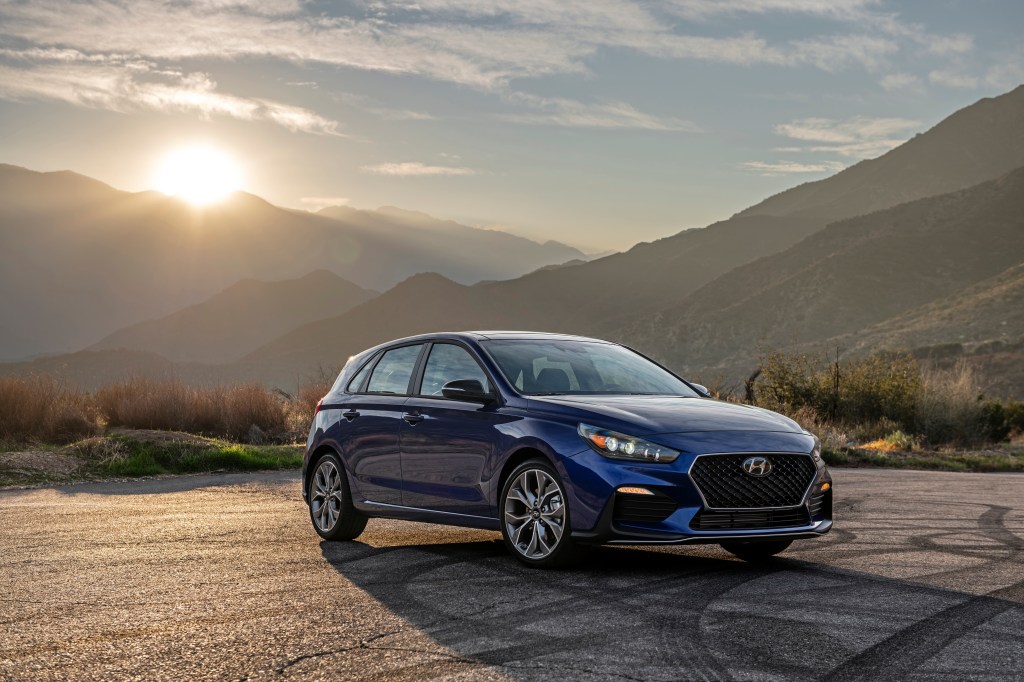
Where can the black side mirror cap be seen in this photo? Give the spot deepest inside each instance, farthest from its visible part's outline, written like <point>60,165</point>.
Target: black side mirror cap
<point>470,390</point>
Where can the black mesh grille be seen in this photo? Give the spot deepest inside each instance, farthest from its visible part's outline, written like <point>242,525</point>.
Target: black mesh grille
<point>725,485</point>
<point>750,519</point>
<point>645,508</point>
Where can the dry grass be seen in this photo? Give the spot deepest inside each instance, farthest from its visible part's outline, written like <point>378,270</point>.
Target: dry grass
<point>303,405</point>
<point>246,412</point>
<point>39,408</point>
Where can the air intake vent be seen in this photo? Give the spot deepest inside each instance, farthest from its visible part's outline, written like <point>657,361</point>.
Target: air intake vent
<point>643,508</point>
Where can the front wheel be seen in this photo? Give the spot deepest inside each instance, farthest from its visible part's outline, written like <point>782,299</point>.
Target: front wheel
<point>330,502</point>
<point>535,517</point>
<point>756,551</point>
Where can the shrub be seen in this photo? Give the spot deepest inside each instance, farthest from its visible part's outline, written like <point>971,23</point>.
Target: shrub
<point>41,408</point>
<point>1002,421</point>
<point>883,385</point>
<point>949,409</point>
<point>880,386</point>
<point>902,441</point>
<point>874,397</point>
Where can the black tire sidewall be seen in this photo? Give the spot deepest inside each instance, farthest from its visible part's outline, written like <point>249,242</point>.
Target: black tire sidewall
<point>347,510</point>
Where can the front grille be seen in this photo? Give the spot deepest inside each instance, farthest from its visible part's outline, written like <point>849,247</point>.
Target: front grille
<point>643,508</point>
<point>725,485</point>
<point>750,519</point>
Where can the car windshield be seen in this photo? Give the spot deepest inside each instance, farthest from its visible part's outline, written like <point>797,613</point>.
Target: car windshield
<point>541,367</point>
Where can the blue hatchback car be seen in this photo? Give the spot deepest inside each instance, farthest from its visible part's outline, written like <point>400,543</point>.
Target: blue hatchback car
<point>559,442</point>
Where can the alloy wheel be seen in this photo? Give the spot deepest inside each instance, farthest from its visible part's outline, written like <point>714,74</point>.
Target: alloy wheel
<point>535,514</point>
<point>325,497</point>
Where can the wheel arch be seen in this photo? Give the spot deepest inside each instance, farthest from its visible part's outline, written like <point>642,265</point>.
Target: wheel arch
<point>517,457</point>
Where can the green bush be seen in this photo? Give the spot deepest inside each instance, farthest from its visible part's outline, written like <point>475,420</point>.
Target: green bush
<point>881,386</point>
<point>882,395</point>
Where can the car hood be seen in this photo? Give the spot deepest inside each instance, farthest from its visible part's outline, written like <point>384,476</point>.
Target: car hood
<point>649,415</point>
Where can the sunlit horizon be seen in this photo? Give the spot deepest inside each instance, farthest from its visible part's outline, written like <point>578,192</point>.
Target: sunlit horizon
<point>200,174</point>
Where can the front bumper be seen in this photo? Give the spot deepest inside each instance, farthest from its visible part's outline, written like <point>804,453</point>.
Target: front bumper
<point>678,512</point>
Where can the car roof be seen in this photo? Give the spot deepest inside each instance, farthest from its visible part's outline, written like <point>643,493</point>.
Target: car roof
<point>484,335</point>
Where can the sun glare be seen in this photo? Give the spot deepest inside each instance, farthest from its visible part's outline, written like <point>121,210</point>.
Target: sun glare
<point>199,174</point>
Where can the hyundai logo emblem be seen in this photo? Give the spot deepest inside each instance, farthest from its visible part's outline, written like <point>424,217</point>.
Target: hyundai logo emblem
<point>757,466</point>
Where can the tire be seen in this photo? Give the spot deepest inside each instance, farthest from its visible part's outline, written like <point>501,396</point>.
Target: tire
<point>330,501</point>
<point>537,533</point>
<point>756,551</point>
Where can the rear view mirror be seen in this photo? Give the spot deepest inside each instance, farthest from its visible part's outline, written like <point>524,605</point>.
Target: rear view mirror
<point>466,389</point>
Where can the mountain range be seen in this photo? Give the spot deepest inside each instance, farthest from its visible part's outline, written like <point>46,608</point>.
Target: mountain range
<point>919,248</point>
<point>82,259</point>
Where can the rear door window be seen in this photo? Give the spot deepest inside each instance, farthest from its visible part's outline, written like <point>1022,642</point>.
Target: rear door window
<point>393,372</point>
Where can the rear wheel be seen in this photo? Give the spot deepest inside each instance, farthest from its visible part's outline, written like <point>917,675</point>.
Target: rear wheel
<point>535,517</point>
<point>756,551</point>
<point>330,502</point>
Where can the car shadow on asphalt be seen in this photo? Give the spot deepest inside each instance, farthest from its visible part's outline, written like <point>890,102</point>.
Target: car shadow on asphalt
<point>679,613</point>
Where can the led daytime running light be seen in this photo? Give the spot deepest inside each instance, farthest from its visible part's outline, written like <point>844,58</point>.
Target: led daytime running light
<point>620,446</point>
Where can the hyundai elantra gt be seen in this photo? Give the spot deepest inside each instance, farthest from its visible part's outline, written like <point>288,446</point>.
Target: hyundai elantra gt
<point>558,442</point>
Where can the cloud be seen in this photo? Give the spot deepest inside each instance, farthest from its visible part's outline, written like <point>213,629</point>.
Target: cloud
<point>789,167</point>
<point>704,9</point>
<point>901,81</point>
<point>560,111</point>
<point>317,203</point>
<point>480,43</point>
<point>488,45</point>
<point>415,168</point>
<point>120,84</point>
<point>859,137</point>
<point>838,52</point>
<point>952,79</point>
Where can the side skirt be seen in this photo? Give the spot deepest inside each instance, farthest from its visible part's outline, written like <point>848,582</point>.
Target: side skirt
<point>397,511</point>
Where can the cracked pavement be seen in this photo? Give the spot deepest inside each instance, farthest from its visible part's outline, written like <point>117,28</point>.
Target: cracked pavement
<point>221,576</point>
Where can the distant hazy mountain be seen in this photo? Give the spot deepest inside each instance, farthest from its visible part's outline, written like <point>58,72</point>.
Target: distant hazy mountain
<point>241,318</point>
<point>81,259</point>
<point>641,295</point>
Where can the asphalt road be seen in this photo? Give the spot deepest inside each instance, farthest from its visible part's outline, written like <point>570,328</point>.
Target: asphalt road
<point>222,577</point>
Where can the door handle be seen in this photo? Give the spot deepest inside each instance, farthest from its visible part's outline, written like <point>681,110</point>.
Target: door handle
<point>350,415</point>
<point>413,418</point>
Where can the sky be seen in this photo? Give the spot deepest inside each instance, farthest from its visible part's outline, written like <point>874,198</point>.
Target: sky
<point>598,123</point>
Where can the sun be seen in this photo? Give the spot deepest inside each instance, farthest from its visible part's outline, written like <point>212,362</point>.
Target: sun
<point>199,174</point>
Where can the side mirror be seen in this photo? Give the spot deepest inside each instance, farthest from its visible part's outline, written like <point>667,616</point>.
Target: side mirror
<point>470,390</point>
<point>703,390</point>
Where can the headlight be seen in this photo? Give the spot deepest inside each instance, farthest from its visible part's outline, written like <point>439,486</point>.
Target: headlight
<point>816,451</point>
<point>620,446</point>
